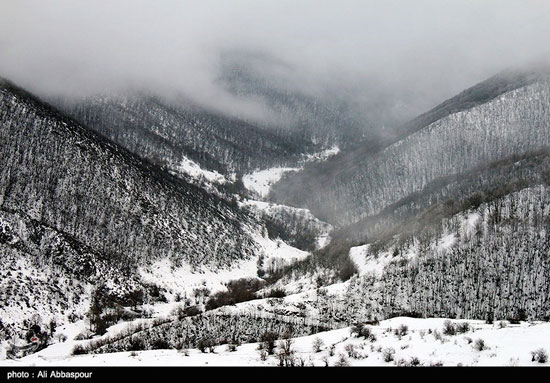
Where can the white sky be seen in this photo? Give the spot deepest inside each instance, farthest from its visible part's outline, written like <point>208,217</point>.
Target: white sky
<point>414,52</point>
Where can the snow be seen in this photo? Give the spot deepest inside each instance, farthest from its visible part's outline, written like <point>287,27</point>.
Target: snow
<point>374,264</point>
<point>279,251</point>
<point>260,181</point>
<point>337,288</point>
<point>511,345</point>
<point>368,263</point>
<point>323,240</point>
<point>183,279</point>
<point>446,242</point>
<point>323,155</point>
<point>273,209</point>
<point>194,170</point>
<point>471,222</point>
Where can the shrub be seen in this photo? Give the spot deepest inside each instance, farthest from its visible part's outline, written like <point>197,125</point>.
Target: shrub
<point>403,363</point>
<point>79,350</point>
<point>192,310</point>
<point>136,344</point>
<point>479,345</point>
<point>61,338</point>
<point>361,330</point>
<point>206,344</point>
<point>449,328</point>
<point>342,361</point>
<point>160,344</point>
<point>463,327</point>
<point>539,355</point>
<point>414,361</point>
<point>268,339</point>
<point>240,290</point>
<point>86,334</point>
<point>388,354</point>
<point>286,353</point>
<point>317,344</point>
<point>356,329</point>
<point>521,316</point>
<point>277,293</point>
<point>402,330</point>
<point>351,351</point>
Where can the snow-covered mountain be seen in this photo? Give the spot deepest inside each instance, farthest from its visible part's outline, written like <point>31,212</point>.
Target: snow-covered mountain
<point>78,211</point>
<point>504,116</point>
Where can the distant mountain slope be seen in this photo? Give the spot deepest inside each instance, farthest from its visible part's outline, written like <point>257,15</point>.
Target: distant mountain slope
<point>75,205</point>
<point>167,131</point>
<point>448,195</point>
<point>166,134</point>
<point>351,187</point>
<point>325,119</point>
<point>479,94</point>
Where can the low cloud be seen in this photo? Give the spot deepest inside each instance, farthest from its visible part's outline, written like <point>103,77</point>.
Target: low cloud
<point>404,55</point>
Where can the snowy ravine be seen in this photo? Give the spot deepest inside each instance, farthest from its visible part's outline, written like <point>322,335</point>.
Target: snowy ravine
<point>399,341</point>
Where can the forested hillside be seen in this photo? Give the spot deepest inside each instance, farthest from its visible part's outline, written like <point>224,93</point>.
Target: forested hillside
<point>78,207</point>
<point>488,262</point>
<point>325,119</point>
<point>167,133</point>
<point>347,189</point>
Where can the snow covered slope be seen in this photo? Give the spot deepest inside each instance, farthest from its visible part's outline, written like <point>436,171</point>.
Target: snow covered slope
<point>399,341</point>
<point>79,208</point>
<point>488,261</point>
<point>168,132</point>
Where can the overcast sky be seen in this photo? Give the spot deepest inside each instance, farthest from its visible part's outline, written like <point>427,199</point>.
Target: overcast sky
<point>416,52</point>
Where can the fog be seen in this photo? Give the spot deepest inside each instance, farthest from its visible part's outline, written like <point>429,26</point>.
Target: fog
<point>410,54</point>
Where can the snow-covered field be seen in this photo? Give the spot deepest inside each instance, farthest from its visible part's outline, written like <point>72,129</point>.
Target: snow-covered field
<point>183,280</point>
<point>260,181</point>
<point>422,342</point>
